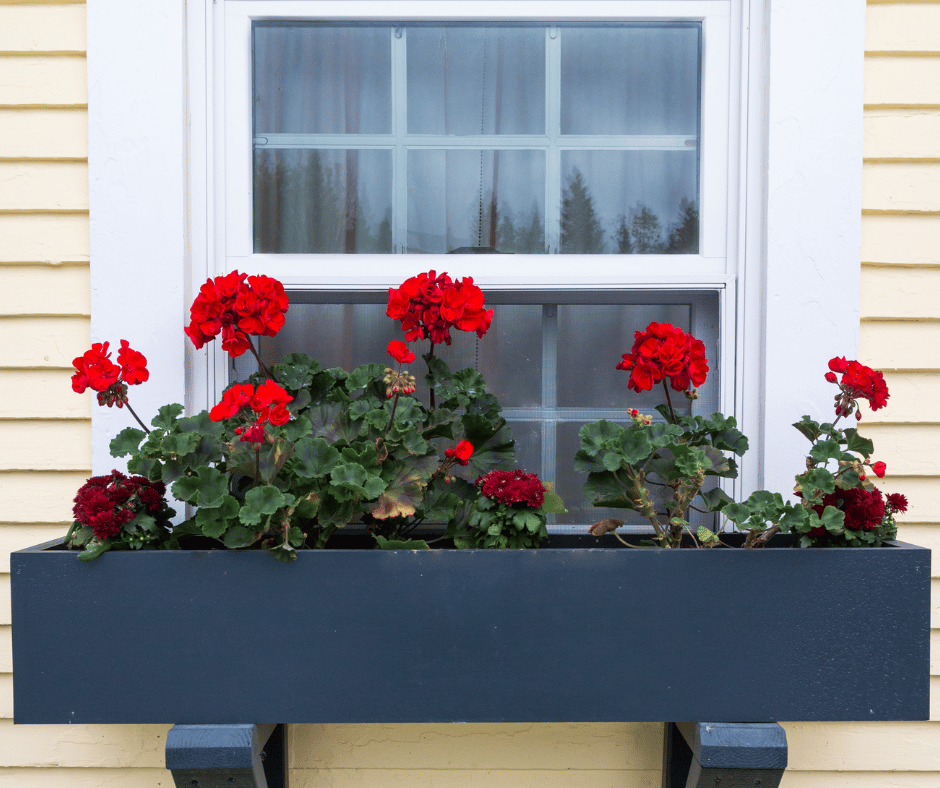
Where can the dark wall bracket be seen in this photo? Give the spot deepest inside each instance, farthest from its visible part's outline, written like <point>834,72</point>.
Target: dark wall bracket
<point>724,755</point>
<point>227,756</point>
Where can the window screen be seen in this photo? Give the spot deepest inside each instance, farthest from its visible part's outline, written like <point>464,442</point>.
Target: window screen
<point>549,357</point>
<point>517,138</point>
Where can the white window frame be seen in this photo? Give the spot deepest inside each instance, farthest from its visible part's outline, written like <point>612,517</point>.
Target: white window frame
<point>793,190</point>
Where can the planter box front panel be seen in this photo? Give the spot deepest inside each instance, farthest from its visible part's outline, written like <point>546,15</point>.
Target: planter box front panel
<point>476,636</point>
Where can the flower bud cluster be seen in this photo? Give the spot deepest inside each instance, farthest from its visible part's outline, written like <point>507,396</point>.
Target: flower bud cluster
<point>640,419</point>
<point>398,382</point>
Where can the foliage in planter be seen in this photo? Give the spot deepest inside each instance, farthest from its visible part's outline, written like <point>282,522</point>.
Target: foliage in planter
<point>298,451</point>
<point>659,469</point>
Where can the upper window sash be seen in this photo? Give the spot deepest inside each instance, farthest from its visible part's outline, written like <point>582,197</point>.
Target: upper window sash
<point>233,178</point>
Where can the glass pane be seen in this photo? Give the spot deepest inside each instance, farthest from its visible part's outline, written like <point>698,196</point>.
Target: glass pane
<point>611,328</point>
<point>309,201</point>
<point>476,80</point>
<point>629,202</point>
<point>636,79</point>
<point>471,199</point>
<point>322,80</point>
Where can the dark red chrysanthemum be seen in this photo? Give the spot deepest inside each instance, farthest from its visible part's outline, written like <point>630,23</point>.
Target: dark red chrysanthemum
<point>864,509</point>
<point>513,488</point>
<point>897,502</point>
<point>106,503</point>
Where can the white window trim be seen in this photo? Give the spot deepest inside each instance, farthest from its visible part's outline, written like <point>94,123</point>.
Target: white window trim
<point>151,119</point>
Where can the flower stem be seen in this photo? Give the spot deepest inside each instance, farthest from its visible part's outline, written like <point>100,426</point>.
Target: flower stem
<point>430,356</point>
<point>131,410</point>
<point>264,368</point>
<point>672,411</point>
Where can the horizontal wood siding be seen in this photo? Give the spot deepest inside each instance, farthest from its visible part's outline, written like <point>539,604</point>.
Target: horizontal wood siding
<point>900,307</point>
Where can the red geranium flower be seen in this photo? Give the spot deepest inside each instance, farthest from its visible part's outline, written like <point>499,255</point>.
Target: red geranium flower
<point>428,306</point>
<point>462,452</point>
<point>268,401</point>
<point>133,365</point>
<point>857,382</point>
<point>237,305</point>
<point>95,370</point>
<point>879,469</point>
<point>399,351</point>
<point>664,351</point>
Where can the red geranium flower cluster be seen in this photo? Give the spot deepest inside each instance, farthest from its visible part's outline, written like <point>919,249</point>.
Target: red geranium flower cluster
<point>268,402</point>
<point>664,351</point>
<point>95,370</point>
<point>461,453</point>
<point>237,305</point>
<point>864,509</point>
<point>429,305</point>
<point>857,382</point>
<point>106,503</point>
<point>513,488</point>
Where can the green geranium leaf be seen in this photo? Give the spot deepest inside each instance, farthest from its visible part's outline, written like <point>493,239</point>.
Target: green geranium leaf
<point>214,522</point>
<point>93,550</point>
<point>737,512</point>
<point>715,499</point>
<point>439,503</point>
<point>604,490</point>
<point>315,458</point>
<point>405,490</point>
<point>833,519</point>
<point>126,442</point>
<point>239,536</point>
<point>207,489</point>
<point>330,422</point>
<point>599,436</point>
<point>662,434</point>
<point>297,428</point>
<point>634,447</point>
<point>400,544</point>
<point>351,481</point>
<point>858,444</point>
<point>166,417</point>
<point>552,502</point>
<point>362,377</point>
<point>825,450</point>
<point>263,501</point>
<point>809,428</point>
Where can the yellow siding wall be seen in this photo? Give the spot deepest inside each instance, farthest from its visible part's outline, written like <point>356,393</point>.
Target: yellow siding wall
<point>45,431</point>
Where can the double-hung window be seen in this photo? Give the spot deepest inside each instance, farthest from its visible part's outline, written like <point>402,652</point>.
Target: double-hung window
<point>572,157</point>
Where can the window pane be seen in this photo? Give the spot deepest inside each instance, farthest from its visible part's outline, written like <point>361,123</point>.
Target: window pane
<point>476,198</point>
<point>323,200</point>
<point>476,80</point>
<point>633,79</point>
<point>322,79</point>
<point>629,202</point>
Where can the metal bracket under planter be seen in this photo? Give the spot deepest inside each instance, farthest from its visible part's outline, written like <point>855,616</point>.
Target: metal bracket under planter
<point>724,755</point>
<point>227,756</point>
